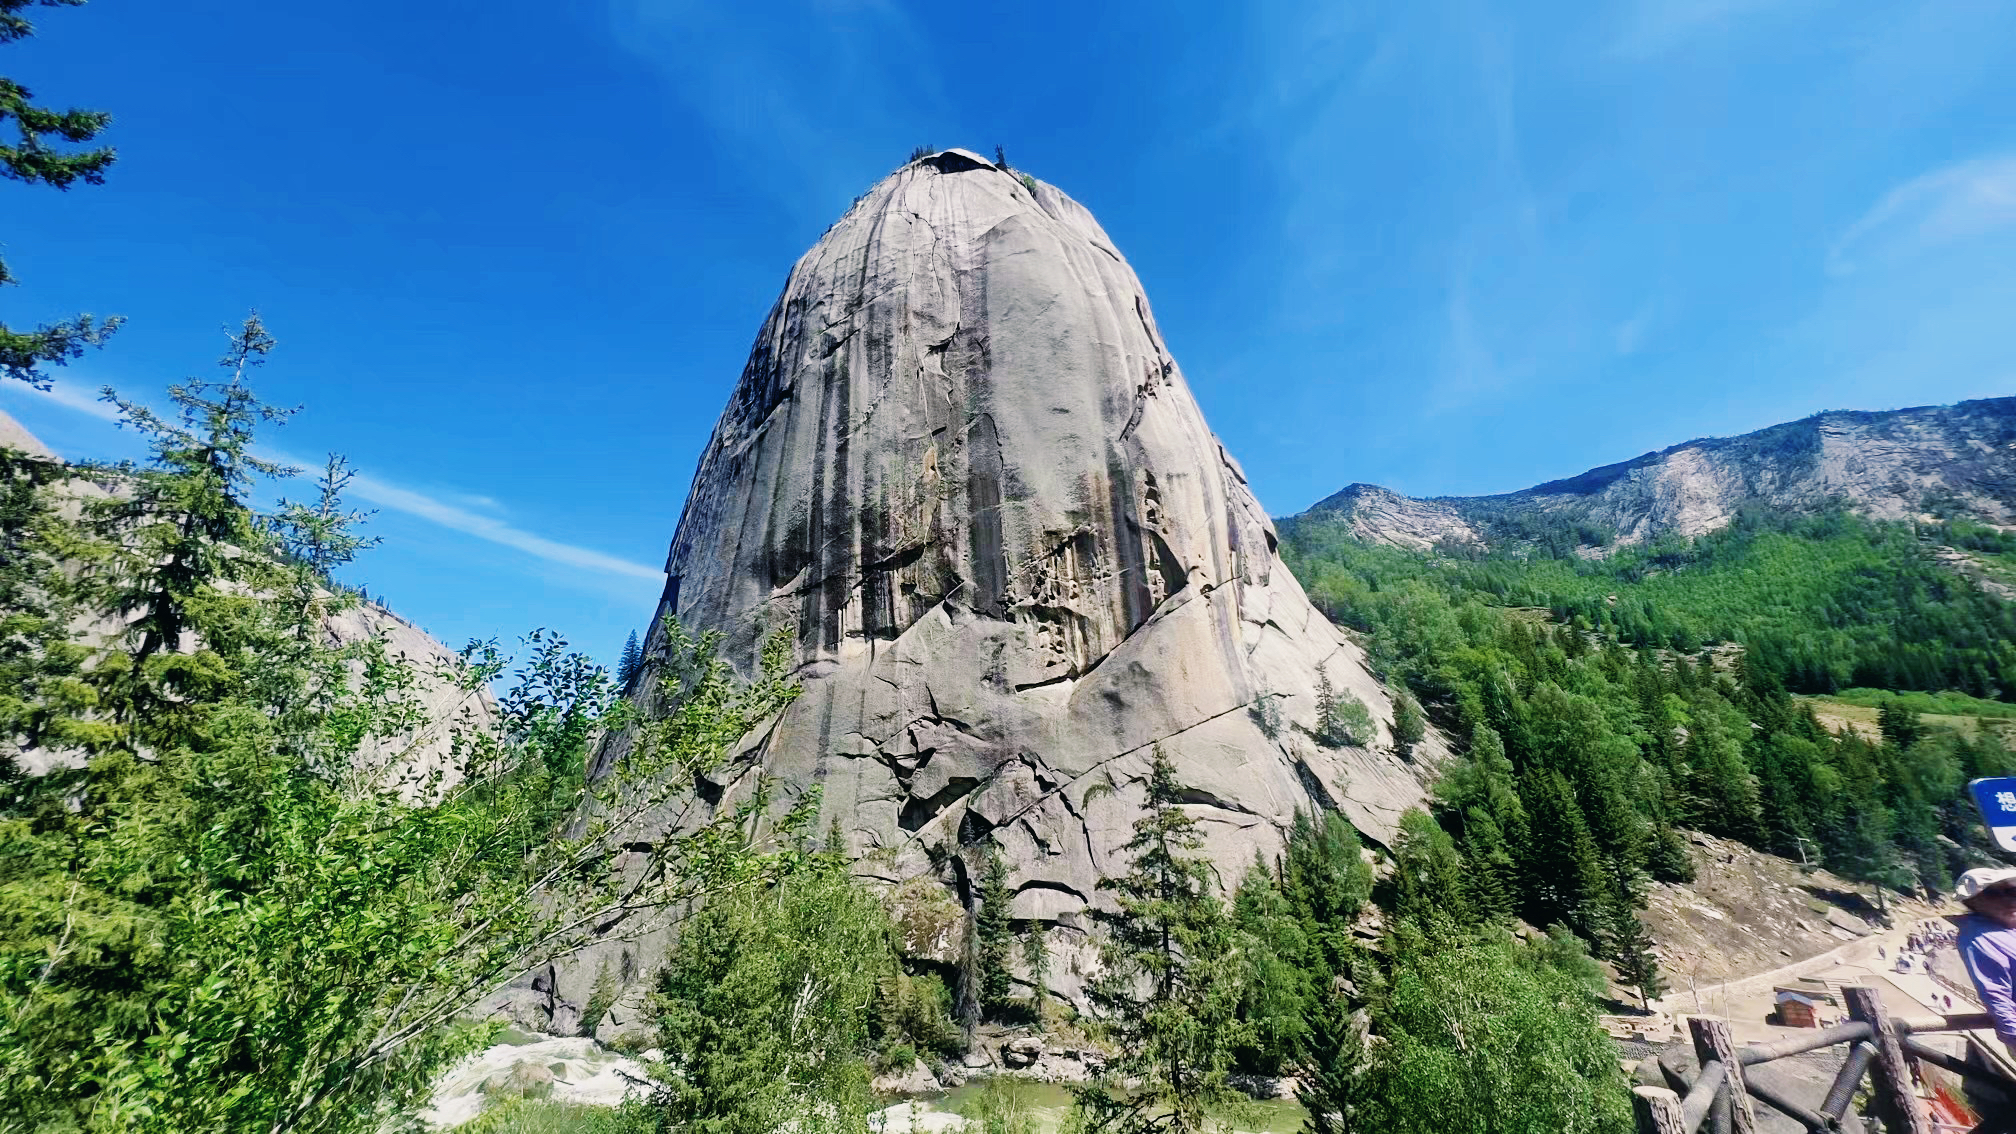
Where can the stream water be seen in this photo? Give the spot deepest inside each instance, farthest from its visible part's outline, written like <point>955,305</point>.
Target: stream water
<point>1047,1103</point>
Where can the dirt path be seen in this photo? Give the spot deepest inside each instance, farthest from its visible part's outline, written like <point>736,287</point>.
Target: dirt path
<point>1747,1000</point>
<point>1703,1000</point>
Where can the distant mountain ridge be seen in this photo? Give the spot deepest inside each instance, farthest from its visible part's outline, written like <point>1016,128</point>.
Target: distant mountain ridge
<point>1924,462</point>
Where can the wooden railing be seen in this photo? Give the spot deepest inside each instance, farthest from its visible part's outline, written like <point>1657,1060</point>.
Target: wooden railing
<point>1722,1097</point>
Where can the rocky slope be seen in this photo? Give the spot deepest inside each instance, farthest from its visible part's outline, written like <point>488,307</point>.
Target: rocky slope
<point>1958,459</point>
<point>14,435</point>
<point>962,469</point>
<point>414,763</point>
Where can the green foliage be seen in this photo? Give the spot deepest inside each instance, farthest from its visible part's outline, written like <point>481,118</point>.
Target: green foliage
<point>1277,986</point>
<point>1820,603</point>
<point>631,661</point>
<point>1169,983</point>
<point>1565,953</point>
<point>760,1008</point>
<point>1947,703</point>
<point>229,918</point>
<point>1002,1105</point>
<point>1593,739</point>
<point>1029,183</point>
<point>1409,725</point>
<point>1429,878</point>
<point>994,934</point>
<point>914,1011</point>
<point>543,1116</point>
<point>45,701</point>
<point>1332,1087</point>
<point>37,157</point>
<point>1479,1038</point>
<point>1036,959</point>
<point>600,999</point>
<point>1631,948</point>
<point>1266,714</point>
<point>1341,719</point>
<point>1326,882</point>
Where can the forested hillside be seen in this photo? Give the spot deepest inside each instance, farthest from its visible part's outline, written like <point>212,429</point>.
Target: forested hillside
<point>1606,705</point>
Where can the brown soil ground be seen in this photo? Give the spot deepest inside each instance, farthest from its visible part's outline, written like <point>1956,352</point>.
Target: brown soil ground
<point>1747,912</point>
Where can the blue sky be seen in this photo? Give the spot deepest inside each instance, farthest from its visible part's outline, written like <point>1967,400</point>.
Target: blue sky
<point>515,252</point>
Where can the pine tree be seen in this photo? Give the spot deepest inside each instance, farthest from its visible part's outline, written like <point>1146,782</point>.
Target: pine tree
<point>1565,881</point>
<point>994,934</point>
<point>631,661</point>
<point>1036,958</point>
<point>1341,718</point>
<point>1169,982</point>
<point>181,531</point>
<point>1331,1085</point>
<point>1492,884</point>
<point>1899,726</point>
<point>319,536</point>
<point>1326,881</point>
<point>33,159</point>
<point>1631,951</point>
<point>1276,986</point>
<point>44,699</point>
<point>1409,726</point>
<point>1430,878</point>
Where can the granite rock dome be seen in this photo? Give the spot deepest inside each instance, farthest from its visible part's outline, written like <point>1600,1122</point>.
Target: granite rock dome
<point>962,468</point>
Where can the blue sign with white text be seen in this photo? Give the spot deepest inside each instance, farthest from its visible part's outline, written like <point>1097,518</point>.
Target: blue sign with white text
<point>1997,800</point>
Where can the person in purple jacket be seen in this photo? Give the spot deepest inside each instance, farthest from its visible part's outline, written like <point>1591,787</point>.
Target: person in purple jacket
<point>1988,943</point>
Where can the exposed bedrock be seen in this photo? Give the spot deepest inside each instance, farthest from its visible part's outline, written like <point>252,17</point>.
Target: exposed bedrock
<point>962,467</point>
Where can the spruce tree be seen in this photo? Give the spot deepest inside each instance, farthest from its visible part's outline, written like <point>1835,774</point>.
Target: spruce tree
<point>1409,726</point>
<point>994,934</point>
<point>1036,959</point>
<point>1430,879</point>
<point>44,700</point>
<point>185,523</point>
<point>631,660</point>
<point>1492,883</point>
<point>1168,986</point>
<point>1631,951</point>
<point>1326,881</point>
<point>1276,987</point>
<point>1331,1086</point>
<point>37,157</point>
<point>1565,880</point>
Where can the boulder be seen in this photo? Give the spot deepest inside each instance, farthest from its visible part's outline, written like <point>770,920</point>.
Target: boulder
<point>916,1079</point>
<point>1023,1051</point>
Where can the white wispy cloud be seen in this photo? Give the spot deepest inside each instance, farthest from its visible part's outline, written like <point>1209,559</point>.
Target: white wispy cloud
<point>81,400</point>
<point>446,512</point>
<point>1651,27</point>
<point>388,495</point>
<point>1953,203</point>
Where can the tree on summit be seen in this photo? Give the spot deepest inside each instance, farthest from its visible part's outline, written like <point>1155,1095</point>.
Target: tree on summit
<point>37,157</point>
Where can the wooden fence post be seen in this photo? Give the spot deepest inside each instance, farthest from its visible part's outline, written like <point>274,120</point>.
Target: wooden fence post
<point>1657,1111</point>
<point>1900,1107</point>
<point>1712,1042</point>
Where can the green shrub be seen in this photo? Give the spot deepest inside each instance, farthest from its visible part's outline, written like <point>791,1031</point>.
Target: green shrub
<point>544,1116</point>
<point>1002,1105</point>
<point>900,1057</point>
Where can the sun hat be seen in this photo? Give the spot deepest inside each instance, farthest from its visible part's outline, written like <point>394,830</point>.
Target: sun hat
<point>1981,878</point>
